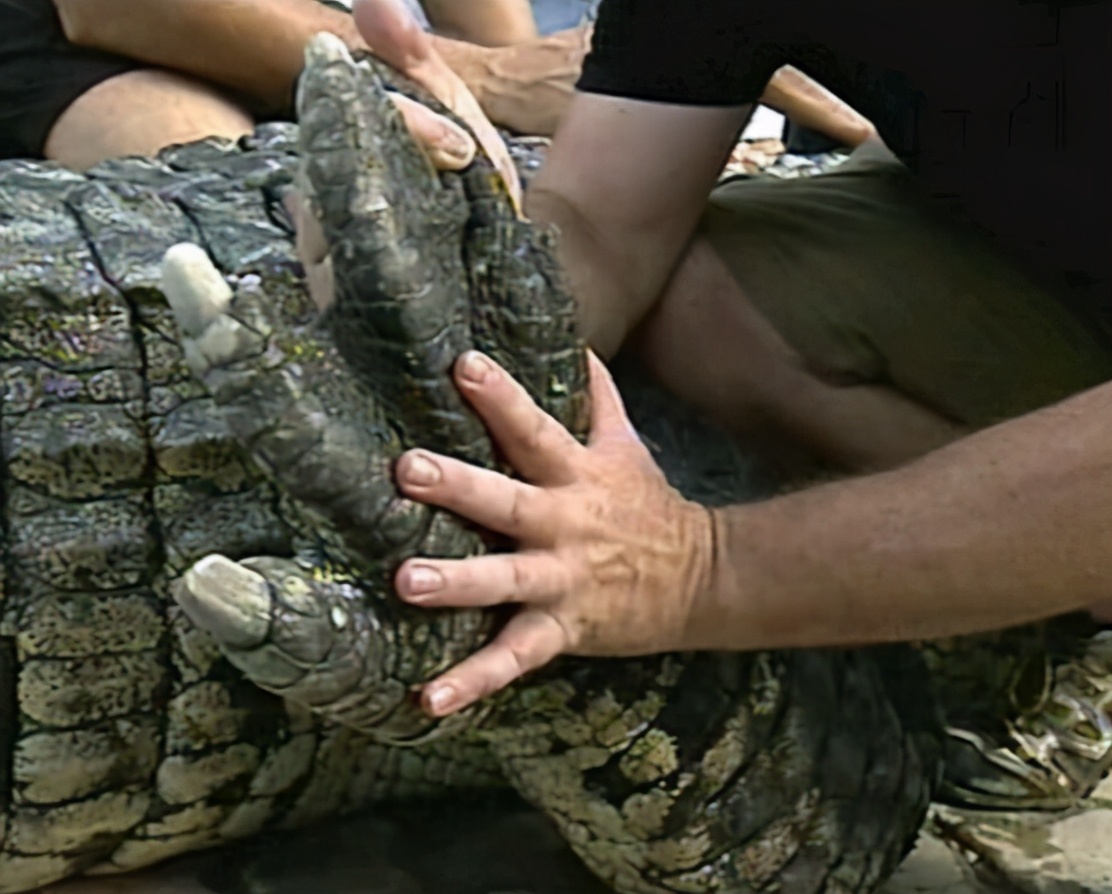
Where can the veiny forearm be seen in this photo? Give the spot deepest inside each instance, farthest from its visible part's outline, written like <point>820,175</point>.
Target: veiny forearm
<point>1007,526</point>
<point>252,46</point>
<point>492,23</point>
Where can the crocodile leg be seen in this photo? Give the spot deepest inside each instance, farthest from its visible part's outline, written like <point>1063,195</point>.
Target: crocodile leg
<point>125,736</point>
<point>676,773</point>
<point>326,408</point>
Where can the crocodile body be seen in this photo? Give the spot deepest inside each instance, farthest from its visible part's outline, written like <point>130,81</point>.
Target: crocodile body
<point>129,734</point>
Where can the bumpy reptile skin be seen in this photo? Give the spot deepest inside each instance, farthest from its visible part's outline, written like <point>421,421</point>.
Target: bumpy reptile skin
<point>127,735</point>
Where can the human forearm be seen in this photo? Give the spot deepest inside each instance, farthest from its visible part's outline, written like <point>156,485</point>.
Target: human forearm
<point>595,271</point>
<point>491,23</point>
<point>253,46</point>
<point>625,183</point>
<point>1006,526</point>
<point>615,273</point>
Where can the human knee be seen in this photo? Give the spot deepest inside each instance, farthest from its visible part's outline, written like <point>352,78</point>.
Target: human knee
<point>141,112</point>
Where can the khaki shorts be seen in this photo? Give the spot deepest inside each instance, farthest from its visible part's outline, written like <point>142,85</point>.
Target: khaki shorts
<point>870,286</point>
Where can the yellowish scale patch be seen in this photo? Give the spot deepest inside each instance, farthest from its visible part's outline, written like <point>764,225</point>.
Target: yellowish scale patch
<point>724,757</point>
<point>763,860</point>
<point>646,812</point>
<point>650,757</point>
<point>684,852</point>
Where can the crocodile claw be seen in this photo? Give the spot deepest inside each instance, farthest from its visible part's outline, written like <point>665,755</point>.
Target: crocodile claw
<point>227,599</point>
<point>304,633</point>
<point>194,288</point>
<point>288,399</point>
<point>201,300</point>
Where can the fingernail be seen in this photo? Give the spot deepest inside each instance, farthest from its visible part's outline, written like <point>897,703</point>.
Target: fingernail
<point>422,579</point>
<point>441,700</point>
<point>421,470</point>
<point>475,367</point>
<point>456,146</point>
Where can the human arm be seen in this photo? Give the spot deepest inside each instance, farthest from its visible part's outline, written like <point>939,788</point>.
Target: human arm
<point>257,47</point>
<point>522,80</point>
<point>808,104</point>
<point>488,23</point>
<point>526,86</point>
<point>1007,526</point>
<point>625,182</point>
<point>253,46</point>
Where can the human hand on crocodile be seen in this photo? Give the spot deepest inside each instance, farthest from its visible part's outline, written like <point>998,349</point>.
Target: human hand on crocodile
<point>609,557</point>
<point>398,39</point>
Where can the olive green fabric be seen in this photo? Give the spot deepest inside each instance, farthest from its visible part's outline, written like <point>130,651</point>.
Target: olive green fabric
<point>869,284</point>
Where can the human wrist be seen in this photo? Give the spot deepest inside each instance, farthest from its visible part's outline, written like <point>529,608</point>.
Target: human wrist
<point>470,62</point>
<point>728,608</point>
<point>702,598</point>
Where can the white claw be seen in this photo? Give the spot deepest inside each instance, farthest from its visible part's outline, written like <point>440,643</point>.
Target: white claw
<point>327,47</point>
<point>197,293</point>
<point>229,601</point>
<point>224,340</point>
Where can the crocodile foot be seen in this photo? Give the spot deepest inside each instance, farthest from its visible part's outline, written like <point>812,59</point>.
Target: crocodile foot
<point>302,632</point>
<point>426,266</point>
<point>705,773</point>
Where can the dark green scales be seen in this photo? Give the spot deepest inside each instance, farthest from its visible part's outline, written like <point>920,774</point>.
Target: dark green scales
<point>254,493</point>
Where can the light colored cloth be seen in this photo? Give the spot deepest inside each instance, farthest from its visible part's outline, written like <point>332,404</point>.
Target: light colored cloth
<point>556,15</point>
<point>415,8</point>
<point>551,15</point>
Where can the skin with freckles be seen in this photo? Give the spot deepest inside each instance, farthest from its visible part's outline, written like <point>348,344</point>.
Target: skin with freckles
<point>642,560</point>
<point>1002,528</point>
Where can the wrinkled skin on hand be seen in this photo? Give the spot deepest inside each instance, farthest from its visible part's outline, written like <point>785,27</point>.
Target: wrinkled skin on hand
<point>527,87</point>
<point>609,556</point>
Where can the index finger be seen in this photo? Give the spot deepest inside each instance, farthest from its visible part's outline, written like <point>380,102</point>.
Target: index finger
<point>538,447</point>
<point>529,641</point>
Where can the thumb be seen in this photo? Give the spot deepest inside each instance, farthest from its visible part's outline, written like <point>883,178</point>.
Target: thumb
<point>395,37</point>
<point>608,415</point>
<point>447,145</point>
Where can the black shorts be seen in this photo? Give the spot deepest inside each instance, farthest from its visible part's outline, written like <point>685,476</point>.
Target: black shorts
<point>41,74</point>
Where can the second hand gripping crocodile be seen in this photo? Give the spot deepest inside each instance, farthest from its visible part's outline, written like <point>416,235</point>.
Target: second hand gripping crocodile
<point>198,635</point>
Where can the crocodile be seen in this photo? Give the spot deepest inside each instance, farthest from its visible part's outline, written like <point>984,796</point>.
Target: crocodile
<point>198,638</point>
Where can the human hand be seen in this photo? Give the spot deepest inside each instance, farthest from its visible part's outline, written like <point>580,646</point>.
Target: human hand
<point>397,38</point>
<point>525,86</point>
<point>609,556</point>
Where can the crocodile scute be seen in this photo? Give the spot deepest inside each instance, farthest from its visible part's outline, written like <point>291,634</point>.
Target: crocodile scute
<point>198,639</point>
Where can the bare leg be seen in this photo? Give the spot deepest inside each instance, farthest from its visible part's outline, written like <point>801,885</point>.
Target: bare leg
<point>710,346</point>
<point>707,344</point>
<point>139,113</point>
